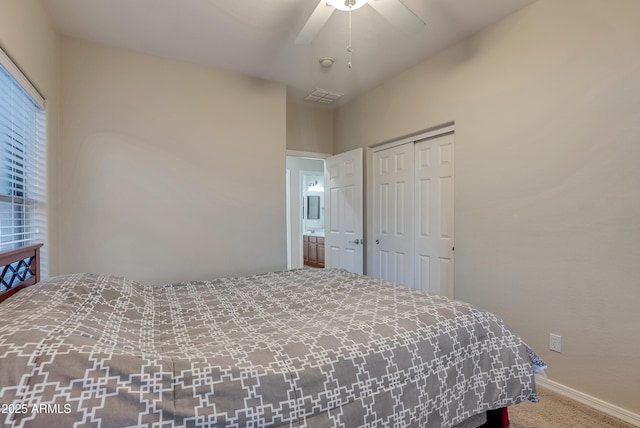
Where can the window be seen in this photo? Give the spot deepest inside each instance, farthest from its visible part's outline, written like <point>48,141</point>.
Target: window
<point>22,160</point>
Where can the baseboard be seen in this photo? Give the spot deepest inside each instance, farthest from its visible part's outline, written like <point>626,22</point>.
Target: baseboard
<point>596,403</point>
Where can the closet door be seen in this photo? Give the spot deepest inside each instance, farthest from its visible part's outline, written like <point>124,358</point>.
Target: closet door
<point>434,215</point>
<point>393,215</point>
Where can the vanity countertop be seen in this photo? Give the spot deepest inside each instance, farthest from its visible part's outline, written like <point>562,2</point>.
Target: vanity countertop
<point>314,233</point>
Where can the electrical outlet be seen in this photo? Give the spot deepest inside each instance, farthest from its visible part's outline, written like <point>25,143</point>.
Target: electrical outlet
<point>555,342</point>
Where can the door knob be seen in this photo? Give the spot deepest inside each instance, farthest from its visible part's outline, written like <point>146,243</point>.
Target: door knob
<point>356,241</point>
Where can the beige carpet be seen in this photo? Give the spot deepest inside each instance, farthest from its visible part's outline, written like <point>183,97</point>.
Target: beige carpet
<point>557,411</point>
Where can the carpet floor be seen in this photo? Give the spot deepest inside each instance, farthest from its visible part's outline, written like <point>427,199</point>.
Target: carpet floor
<point>557,411</point>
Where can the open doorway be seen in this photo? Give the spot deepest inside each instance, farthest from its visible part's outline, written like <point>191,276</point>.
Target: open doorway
<point>305,210</point>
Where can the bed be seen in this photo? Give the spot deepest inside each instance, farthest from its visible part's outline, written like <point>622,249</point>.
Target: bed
<point>300,348</point>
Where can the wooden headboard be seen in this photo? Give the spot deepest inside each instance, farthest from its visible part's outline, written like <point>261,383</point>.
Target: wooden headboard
<point>18,269</point>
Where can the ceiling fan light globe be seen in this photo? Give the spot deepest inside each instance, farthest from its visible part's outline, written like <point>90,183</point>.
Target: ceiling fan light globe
<point>347,5</point>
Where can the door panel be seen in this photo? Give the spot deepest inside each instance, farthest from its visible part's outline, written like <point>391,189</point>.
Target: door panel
<point>434,210</point>
<point>344,235</point>
<point>393,214</point>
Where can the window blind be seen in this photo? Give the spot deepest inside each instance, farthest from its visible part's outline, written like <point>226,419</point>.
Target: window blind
<point>22,161</point>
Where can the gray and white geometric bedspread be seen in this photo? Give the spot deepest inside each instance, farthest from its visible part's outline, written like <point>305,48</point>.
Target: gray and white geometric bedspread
<point>316,348</point>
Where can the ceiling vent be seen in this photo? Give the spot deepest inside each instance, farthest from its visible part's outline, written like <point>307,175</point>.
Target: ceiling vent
<point>322,96</point>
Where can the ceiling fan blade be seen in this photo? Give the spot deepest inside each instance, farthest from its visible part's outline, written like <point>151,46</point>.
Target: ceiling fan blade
<point>316,21</point>
<point>398,14</point>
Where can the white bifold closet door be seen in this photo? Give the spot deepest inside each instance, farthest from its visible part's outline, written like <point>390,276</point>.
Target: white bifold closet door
<point>393,205</point>
<point>413,214</point>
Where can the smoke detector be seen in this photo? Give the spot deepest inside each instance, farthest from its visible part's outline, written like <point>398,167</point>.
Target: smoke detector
<point>326,62</point>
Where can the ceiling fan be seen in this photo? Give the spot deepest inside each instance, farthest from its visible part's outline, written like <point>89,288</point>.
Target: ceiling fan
<point>393,10</point>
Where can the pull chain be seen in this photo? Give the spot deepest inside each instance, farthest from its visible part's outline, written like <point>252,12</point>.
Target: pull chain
<point>349,48</point>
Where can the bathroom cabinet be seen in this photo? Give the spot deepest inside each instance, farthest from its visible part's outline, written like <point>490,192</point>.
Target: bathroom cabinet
<point>313,250</point>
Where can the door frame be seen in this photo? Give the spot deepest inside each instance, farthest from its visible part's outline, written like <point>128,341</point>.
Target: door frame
<point>434,132</point>
<point>290,207</point>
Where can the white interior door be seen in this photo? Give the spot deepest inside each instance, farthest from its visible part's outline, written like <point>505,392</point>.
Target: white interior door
<point>434,215</point>
<point>343,211</point>
<point>393,181</point>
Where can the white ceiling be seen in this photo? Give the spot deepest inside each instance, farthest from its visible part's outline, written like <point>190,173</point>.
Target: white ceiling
<point>256,37</point>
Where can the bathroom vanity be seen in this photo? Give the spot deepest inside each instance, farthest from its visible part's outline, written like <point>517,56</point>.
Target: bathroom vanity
<point>313,250</point>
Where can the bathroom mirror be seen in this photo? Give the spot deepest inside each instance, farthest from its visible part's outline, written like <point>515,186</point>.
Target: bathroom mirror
<point>313,207</point>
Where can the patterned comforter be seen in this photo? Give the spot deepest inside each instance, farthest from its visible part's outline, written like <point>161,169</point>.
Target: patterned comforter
<point>298,348</point>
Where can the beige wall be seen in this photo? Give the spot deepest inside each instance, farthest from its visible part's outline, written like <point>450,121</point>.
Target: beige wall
<point>169,171</point>
<point>28,38</point>
<point>546,107</point>
<point>309,127</point>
